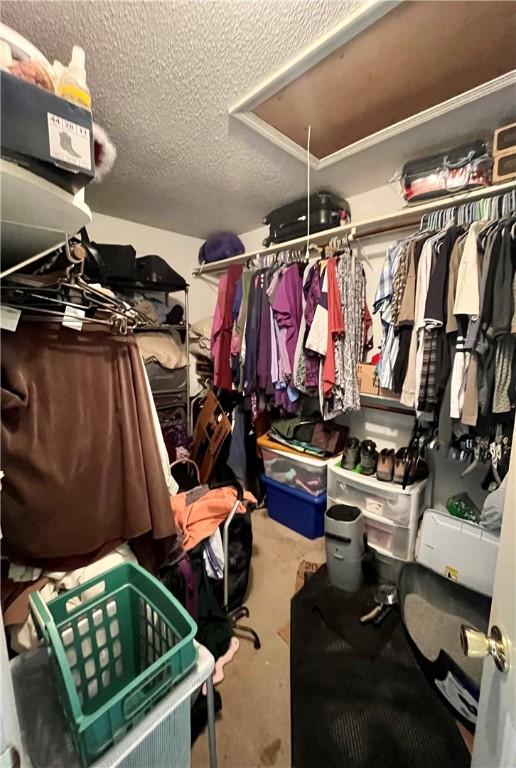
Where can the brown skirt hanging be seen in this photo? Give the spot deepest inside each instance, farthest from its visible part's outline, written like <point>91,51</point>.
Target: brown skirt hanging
<point>79,452</point>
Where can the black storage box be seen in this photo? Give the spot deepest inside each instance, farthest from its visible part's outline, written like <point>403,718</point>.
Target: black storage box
<point>290,221</point>
<point>46,134</point>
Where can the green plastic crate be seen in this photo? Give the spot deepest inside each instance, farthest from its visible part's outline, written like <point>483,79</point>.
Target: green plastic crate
<point>120,642</point>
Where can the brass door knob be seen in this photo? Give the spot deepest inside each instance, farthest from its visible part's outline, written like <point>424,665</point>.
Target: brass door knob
<point>477,645</point>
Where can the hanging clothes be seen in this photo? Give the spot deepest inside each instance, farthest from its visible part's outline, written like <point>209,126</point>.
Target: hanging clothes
<point>81,460</point>
<point>349,347</point>
<point>224,318</point>
<point>448,297</point>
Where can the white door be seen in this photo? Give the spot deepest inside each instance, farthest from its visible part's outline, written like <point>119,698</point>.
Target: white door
<point>495,739</point>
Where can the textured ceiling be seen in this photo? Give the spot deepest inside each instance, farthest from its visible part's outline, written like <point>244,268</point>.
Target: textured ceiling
<point>162,76</point>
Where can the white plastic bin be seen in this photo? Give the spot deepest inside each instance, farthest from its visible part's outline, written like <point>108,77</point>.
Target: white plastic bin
<point>391,512</point>
<point>385,536</point>
<point>388,500</point>
<point>393,539</point>
<point>459,550</point>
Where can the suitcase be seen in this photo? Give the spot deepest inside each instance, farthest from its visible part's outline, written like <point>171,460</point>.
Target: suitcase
<point>327,210</point>
<point>463,167</point>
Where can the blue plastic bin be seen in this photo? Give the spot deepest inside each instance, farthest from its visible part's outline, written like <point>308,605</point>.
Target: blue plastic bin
<point>296,509</point>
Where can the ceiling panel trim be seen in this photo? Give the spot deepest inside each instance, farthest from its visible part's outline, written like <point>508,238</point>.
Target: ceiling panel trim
<point>439,110</point>
<point>335,38</point>
<point>288,145</point>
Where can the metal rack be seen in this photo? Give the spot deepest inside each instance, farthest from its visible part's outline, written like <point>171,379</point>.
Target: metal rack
<point>176,391</point>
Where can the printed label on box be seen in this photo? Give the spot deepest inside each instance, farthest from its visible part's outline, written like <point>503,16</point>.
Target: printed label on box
<point>451,573</point>
<point>458,696</point>
<point>69,141</point>
<point>9,317</point>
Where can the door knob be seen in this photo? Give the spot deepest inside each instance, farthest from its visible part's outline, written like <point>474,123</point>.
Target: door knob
<point>478,645</point>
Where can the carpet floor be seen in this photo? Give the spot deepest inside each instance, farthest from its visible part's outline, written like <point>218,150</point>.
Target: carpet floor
<point>253,728</point>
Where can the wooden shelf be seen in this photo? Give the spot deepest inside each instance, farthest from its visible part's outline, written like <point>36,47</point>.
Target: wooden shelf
<point>35,216</point>
<point>409,216</point>
<point>385,403</point>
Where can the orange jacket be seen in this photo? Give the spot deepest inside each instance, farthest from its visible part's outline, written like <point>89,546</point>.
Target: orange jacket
<point>199,519</point>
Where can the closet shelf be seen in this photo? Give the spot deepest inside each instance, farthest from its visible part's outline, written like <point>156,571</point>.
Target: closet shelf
<point>385,403</point>
<point>35,216</point>
<point>404,218</point>
<point>163,327</point>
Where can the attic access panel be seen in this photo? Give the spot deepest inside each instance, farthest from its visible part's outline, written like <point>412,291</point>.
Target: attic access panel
<point>387,63</point>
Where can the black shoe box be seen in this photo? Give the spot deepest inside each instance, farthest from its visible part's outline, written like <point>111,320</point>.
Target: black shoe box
<point>46,134</point>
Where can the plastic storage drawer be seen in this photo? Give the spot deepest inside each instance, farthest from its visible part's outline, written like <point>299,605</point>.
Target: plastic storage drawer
<point>396,541</point>
<point>297,510</point>
<point>391,538</point>
<point>120,641</point>
<point>302,473</point>
<point>388,500</point>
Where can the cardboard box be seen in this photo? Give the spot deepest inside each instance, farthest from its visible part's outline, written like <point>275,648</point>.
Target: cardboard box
<point>46,134</point>
<point>367,381</point>
<point>504,139</point>
<point>504,168</point>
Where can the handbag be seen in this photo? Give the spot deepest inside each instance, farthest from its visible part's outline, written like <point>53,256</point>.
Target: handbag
<point>220,247</point>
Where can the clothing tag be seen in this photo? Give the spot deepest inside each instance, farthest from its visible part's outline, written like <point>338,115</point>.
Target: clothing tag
<point>9,318</point>
<point>69,142</point>
<point>73,318</point>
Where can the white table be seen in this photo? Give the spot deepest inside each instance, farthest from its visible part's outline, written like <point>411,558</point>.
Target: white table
<point>161,739</point>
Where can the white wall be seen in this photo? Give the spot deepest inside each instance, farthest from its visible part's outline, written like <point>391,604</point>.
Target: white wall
<point>180,251</point>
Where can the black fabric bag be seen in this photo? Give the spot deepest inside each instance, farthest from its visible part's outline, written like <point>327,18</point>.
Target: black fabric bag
<point>240,551</point>
<point>290,221</point>
<point>108,263</point>
<point>213,626</point>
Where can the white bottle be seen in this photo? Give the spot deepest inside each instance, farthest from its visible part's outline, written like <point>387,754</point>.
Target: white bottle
<point>6,59</point>
<point>58,71</point>
<point>73,82</point>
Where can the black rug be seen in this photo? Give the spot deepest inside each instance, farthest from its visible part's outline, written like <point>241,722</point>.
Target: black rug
<point>361,707</point>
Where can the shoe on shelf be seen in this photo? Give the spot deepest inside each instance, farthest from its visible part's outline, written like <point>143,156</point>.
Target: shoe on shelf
<point>351,454</point>
<point>385,468</point>
<point>368,457</point>
<point>399,465</point>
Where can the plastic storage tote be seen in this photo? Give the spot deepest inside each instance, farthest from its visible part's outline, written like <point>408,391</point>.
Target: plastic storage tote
<point>389,500</point>
<point>297,510</point>
<point>164,379</point>
<point>454,548</point>
<point>393,539</point>
<point>295,469</point>
<point>120,641</point>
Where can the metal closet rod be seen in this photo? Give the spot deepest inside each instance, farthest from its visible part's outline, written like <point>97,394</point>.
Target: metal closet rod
<point>392,222</point>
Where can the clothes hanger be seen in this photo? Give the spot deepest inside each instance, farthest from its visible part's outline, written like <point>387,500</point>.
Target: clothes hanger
<point>72,292</point>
